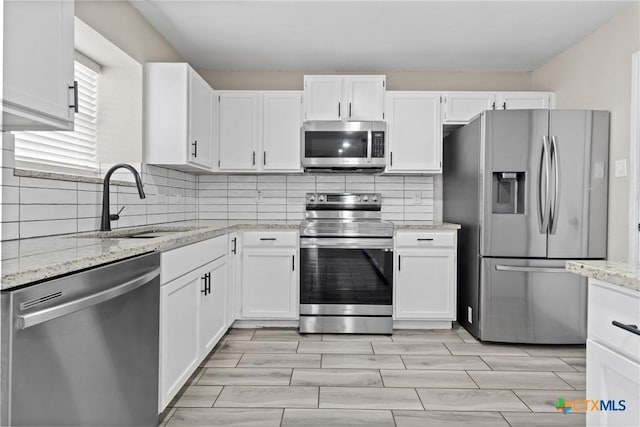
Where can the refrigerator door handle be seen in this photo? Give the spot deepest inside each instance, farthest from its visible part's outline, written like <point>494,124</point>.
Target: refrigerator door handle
<point>526,269</point>
<point>556,186</point>
<point>543,212</point>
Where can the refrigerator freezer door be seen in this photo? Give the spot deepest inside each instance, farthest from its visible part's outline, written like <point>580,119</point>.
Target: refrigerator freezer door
<point>515,165</point>
<point>579,150</point>
<point>532,302</point>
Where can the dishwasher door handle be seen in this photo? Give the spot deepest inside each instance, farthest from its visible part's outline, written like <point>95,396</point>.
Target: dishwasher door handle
<point>54,312</point>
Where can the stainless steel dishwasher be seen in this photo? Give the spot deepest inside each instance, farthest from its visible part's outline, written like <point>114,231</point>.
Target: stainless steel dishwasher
<point>82,350</point>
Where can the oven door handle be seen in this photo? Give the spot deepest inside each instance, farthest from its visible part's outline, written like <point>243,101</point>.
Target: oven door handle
<point>346,243</point>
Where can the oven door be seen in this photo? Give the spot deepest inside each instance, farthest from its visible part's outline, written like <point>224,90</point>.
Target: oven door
<point>346,276</point>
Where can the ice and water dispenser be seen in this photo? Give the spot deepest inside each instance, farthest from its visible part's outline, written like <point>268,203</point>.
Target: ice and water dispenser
<point>508,193</point>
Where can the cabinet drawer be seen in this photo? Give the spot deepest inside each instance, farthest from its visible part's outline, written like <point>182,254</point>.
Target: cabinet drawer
<point>608,303</point>
<point>436,239</point>
<point>176,262</point>
<point>270,238</point>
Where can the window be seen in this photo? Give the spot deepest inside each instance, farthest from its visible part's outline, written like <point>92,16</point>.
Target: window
<point>61,151</point>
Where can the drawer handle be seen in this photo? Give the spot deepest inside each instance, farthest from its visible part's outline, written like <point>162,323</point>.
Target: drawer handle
<point>629,328</point>
<point>425,240</point>
<point>267,238</point>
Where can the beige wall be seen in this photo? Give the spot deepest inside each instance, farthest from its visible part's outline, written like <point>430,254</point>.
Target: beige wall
<point>595,73</point>
<point>123,26</point>
<point>396,80</point>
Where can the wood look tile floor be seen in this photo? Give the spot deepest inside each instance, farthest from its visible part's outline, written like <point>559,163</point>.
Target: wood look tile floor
<point>441,378</point>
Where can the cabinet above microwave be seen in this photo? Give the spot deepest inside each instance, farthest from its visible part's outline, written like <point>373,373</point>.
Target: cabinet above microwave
<point>344,98</point>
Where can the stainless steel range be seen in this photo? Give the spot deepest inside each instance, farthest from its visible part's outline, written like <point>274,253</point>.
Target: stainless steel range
<point>346,265</point>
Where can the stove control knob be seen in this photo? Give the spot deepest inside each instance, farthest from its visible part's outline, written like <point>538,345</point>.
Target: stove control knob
<point>374,199</point>
<point>312,199</point>
<point>321,198</point>
<point>365,198</point>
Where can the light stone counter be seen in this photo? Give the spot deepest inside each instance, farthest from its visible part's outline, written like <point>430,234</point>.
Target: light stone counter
<point>436,226</point>
<point>618,273</point>
<point>31,260</point>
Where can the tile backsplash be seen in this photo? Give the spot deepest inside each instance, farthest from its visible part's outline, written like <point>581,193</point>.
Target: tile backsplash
<point>33,206</point>
<point>281,198</point>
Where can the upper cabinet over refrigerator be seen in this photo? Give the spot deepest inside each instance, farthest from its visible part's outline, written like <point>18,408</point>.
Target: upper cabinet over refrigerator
<point>544,183</point>
<point>345,98</point>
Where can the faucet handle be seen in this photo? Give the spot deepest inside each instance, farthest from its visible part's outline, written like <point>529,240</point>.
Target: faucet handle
<point>115,217</point>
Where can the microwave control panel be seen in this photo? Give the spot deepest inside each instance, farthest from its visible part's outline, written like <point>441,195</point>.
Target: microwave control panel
<point>377,144</point>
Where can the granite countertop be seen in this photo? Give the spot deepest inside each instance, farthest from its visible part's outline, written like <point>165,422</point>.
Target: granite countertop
<point>30,260</point>
<point>618,273</point>
<point>435,226</point>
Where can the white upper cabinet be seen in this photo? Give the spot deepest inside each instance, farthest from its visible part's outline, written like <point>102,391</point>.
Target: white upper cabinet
<point>414,132</point>
<point>238,130</point>
<point>259,131</point>
<point>200,121</point>
<point>524,100</point>
<point>38,85</point>
<point>323,98</point>
<point>365,98</point>
<point>461,107</point>
<point>179,117</point>
<point>347,98</point>
<point>282,120</point>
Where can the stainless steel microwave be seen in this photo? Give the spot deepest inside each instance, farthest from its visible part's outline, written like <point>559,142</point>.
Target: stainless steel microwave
<point>344,146</point>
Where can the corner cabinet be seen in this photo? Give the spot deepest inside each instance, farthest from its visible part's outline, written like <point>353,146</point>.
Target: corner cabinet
<point>37,79</point>
<point>425,281</point>
<point>178,117</point>
<point>270,275</point>
<point>259,131</point>
<point>613,353</point>
<point>346,98</point>
<point>414,132</point>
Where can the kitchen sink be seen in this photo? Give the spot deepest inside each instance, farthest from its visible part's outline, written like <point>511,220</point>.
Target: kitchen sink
<point>138,233</point>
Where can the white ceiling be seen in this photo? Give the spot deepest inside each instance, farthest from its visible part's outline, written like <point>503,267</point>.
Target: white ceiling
<point>375,35</point>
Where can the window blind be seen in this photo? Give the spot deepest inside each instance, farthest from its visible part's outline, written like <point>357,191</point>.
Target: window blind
<point>66,151</point>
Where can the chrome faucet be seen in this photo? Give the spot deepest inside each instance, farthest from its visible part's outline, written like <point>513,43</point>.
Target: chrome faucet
<point>105,224</point>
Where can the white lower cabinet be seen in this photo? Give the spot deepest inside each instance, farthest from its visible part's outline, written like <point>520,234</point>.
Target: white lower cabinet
<point>270,275</point>
<point>179,340</point>
<point>613,355</point>
<point>213,305</point>
<point>425,281</point>
<point>612,377</point>
<point>193,310</point>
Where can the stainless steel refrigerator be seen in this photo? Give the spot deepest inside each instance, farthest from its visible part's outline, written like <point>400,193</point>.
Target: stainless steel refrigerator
<point>530,190</point>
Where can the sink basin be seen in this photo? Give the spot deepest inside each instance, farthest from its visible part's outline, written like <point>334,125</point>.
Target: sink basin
<point>138,233</point>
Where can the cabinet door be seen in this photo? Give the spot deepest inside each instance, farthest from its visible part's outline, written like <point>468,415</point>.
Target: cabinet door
<point>238,130</point>
<point>365,98</point>
<point>523,100</point>
<point>323,98</point>
<point>200,120</point>
<point>234,293</point>
<point>425,285</point>
<point>415,132</point>
<point>462,107</point>
<point>269,284</point>
<point>179,349</point>
<point>612,376</point>
<point>213,305</point>
<point>38,65</point>
<point>282,120</point>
